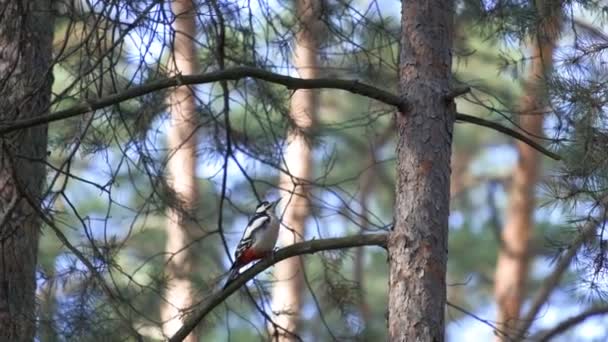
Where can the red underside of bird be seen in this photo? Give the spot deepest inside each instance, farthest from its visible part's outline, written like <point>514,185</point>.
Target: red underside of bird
<point>248,256</point>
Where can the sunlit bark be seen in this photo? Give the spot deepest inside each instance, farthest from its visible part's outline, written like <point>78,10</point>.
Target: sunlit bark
<point>181,177</point>
<point>287,291</point>
<point>514,255</point>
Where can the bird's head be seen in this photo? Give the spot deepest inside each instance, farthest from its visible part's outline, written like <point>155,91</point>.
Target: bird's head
<point>266,206</point>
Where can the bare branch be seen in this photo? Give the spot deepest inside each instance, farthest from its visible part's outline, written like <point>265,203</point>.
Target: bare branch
<point>594,31</point>
<point>553,280</point>
<point>307,247</point>
<point>561,327</point>
<point>113,298</point>
<point>492,325</point>
<point>458,91</point>
<point>238,73</point>
<point>505,130</point>
<point>232,74</point>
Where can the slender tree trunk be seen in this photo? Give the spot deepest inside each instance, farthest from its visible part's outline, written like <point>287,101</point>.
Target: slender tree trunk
<point>366,184</point>
<point>26,31</point>
<point>287,291</point>
<point>182,174</point>
<point>418,245</point>
<point>458,180</point>
<point>514,254</point>
<point>47,308</point>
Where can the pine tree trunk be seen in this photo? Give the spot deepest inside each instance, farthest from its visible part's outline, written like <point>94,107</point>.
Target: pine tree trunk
<point>47,308</point>
<point>287,291</point>
<point>26,32</point>
<point>367,181</point>
<point>418,245</point>
<point>514,254</point>
<point>182,139</point>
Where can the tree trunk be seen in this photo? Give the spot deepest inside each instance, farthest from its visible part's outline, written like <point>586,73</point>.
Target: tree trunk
<point>418,244</point>
<point>460,175</point>
<point>26,32</point>
<point>182,174</point>
<point>514,254</point>
<point>367,181</point>
<point>47,308</point>
<point>287,291</point>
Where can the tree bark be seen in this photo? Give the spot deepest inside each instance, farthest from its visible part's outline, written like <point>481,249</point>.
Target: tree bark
<point>460,175</point>
<point>418,243</point>
<point>26,31</point>
<point>287,291</point>
<point>47,309</point>
<point>514,254</point>
<point>182,139</point>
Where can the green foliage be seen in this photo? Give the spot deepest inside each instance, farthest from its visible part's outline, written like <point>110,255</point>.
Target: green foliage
<point>110,197</point>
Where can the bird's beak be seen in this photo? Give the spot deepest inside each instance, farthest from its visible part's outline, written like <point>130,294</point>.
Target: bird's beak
<point>274,204</point>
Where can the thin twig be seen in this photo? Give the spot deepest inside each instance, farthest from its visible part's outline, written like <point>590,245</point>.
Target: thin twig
<point>112,297</point>
<point>492,325</point>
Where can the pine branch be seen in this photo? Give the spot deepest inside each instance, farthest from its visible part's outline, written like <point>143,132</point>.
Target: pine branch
<point>114,299</point>
<point>232,74</point>
<point>508,131</point>
<point>237,73</point>
<point>561,327</point>
<point>553,280</point>
<point>307,247</point>
<point>457,91</point>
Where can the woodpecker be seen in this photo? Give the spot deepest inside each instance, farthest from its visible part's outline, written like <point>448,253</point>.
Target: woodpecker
<point>258,240</point>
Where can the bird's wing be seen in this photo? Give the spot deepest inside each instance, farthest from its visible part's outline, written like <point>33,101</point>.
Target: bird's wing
<point>254,224</point>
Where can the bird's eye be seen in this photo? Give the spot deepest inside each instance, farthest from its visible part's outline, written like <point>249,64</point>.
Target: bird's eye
<point>262,207</point>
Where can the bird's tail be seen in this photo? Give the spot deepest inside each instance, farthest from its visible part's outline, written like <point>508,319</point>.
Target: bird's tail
<point>234,272</point>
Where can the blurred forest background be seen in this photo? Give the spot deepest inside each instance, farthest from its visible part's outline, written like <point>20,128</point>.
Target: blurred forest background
<point>146,195</point>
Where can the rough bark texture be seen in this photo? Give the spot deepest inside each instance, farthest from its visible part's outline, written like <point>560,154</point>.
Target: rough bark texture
<point>26,29</point>
<point>418,244</point>
<point>182,174</point>
<point>514,254</point>
<point>287,291</point>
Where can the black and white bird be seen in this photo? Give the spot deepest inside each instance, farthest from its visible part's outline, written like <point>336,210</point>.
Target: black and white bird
<point>258,240</point>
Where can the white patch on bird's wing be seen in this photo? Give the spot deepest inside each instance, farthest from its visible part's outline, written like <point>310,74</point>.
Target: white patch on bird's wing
<point>254,224</point>
<point>262,207</point>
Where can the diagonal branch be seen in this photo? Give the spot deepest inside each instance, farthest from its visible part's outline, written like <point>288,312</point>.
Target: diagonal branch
<point>561,327</point>
<point>35,205</point>
<point>508,131</point>
<point>307,247</point>
<point>553,280</point>
<point>237,73</point>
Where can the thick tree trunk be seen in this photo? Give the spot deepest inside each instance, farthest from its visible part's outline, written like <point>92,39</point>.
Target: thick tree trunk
<point>514,254</point>
<point>287,291</point>
<point>26,31</point>
<point>182,174</point>
<point>418,245</point>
